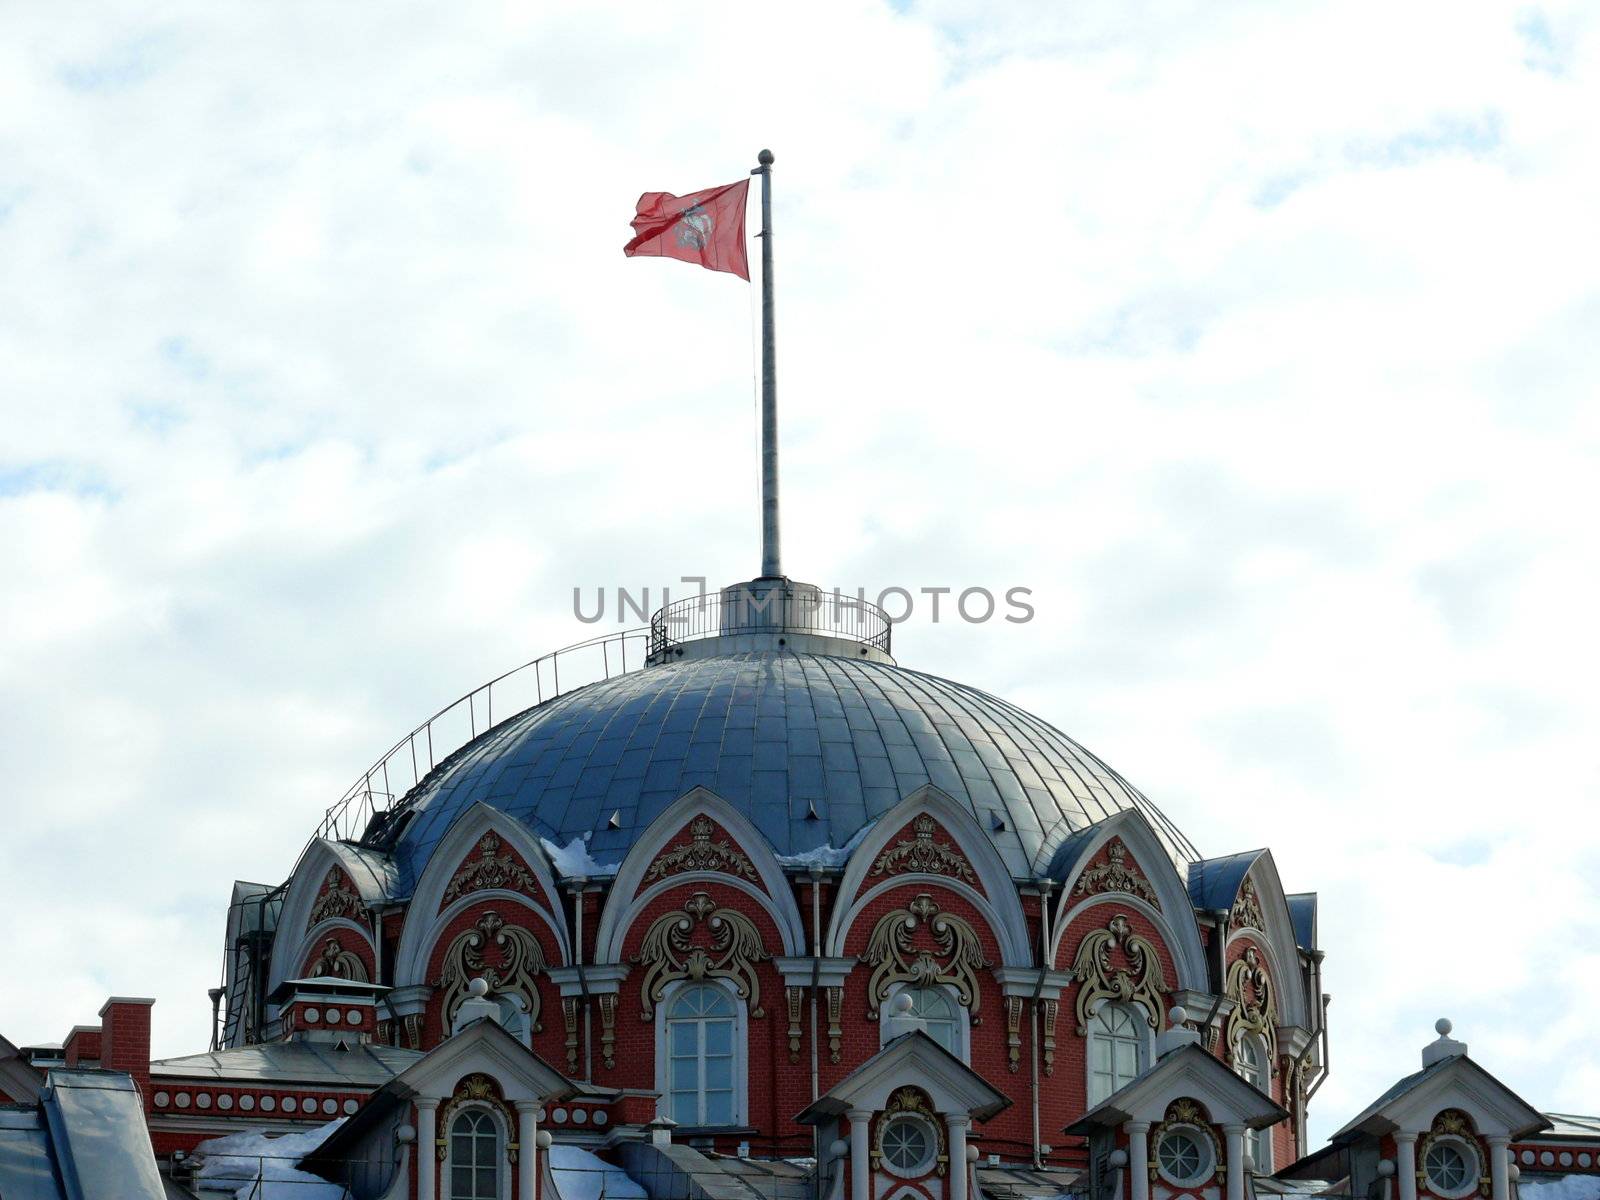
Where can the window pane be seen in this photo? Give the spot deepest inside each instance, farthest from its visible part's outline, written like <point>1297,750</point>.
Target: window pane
<point>685,1037</point>
<point>683,1108</point>
<point>719,1108</point>
<point>719,1037</point>
<point>719,1073</point>
<point>486,1183</point>
<point>461,1182</point>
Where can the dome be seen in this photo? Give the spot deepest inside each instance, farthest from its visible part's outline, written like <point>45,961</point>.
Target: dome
<point>811,747</point>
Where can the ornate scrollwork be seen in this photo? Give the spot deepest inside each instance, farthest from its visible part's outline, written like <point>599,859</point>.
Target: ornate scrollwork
<point>521,961</point>
<point>1115,875</point>
<point>1255,1011</point>
<point>894,959</point>
<point>1456,1125</point>
<point>339,963</point>
<point>337,899</point>
<point>911,1101</point>
<point>490,870</point>
<point>1246,911</point>
<point>1141,982</point>
<point>476,1088</point>
<point>923,855</point>
<point>835,1022</point>
<point>668,952</point>
<point>700,853</point>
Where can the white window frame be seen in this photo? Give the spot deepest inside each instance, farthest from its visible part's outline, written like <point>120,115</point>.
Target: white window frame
<point>1468,1150</point>
<point>1208,1152</point>
<point>1141,1023</point>
<point>917,1170</point>
<point>963,1048</point>
<point>1258,1075</point>
<point>502,1175</point>
<point>741,1039</point>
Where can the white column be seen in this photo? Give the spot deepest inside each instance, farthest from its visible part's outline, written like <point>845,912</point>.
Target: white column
<point>1500,1168</point>
<point>956,1128</point>
<point>1405,1164</point>
<point>860,1161</point>
<point>1235,1136</point>
<point>527,1148</point>
<point>1138,1160</point>
<point>427,1159</point>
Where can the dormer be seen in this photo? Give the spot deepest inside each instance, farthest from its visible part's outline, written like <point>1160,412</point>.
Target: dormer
<point>327,1009</point>
<point>1178,1130</point>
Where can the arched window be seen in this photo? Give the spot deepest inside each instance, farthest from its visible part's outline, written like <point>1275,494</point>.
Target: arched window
<point>1250,1064</point>
<point>701,1044</point>
<point>936,1005</point>
<point>473,1172</point>
<point>1116,1049</point>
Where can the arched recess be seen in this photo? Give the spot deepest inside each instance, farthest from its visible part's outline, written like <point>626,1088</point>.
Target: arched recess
<point>1277,940</point>
<point>626,900</point>
<point>294,940</point>
<point>1002,907</point>
<point>423,918</point>
<point>1175,918</point>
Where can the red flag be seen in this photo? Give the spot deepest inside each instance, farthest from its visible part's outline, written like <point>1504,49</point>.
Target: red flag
<point>703,227</point>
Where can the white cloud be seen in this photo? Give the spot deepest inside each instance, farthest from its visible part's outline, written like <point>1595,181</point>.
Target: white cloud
<point>1258,341</point>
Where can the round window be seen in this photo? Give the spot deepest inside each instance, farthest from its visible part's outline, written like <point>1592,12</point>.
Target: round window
<point>1451,1167</point>
<point>1183,1156</point>
<point>908,1145</point>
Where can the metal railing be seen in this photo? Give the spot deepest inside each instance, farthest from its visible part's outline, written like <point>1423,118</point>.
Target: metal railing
<point>409,761</point>
<point>785,608</point>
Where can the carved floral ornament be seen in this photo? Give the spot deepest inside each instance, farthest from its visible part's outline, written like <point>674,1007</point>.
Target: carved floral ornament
<point>1141,982</point>
<point>669,953</point>
<point>490,869</point>
<point>1255,1012</point>
<point>1246,911</point>
<point>1115,875</point>
<point>894,958</point>
<point>521,960</point>
<point>339,963</point>
<point>474,1089</point>
<point>911,1101</point>
<point>922,855</point>
<point>337,899</point>
<point>1455,1125</point>
<point>700,853</point>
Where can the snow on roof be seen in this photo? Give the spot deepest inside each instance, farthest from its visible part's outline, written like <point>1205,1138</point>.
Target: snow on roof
<point>259,1167</point>
<point>574,859</point>
<point>580,1175</point>
<point>1567,1187</point>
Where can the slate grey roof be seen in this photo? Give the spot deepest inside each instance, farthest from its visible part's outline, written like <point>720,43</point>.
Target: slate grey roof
<point>811,748</point>
<point>1025,1183</point>
<point>311,1063</point>
<point>83,1140</point>
<point>1571,1125</point>
<point>1214,882</point>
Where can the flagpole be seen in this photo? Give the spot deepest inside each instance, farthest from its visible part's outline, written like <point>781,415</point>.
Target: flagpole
<point>771,566</point>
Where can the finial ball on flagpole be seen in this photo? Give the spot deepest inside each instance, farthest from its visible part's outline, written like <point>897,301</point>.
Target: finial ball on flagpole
<point>765,158</point>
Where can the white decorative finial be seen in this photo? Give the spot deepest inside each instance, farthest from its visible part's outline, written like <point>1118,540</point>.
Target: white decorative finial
<point>1443,1027</point>
<point>1177,1014</point>
<point>901,1005</point>
<point>478,988</point>
<point>1444,1047</point>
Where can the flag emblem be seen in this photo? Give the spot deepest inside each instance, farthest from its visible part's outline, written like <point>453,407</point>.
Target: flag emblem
<point>705,227</point>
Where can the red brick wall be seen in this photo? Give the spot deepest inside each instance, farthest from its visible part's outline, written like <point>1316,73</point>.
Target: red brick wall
<point>125,1039</point>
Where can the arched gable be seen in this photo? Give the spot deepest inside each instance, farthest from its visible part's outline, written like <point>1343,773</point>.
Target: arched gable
<point>1166,904</point>
<point>992,892</point>
<point>747,864</point>
<point>297,932</point>
<point>1274,934</point>
<point>431,911</point>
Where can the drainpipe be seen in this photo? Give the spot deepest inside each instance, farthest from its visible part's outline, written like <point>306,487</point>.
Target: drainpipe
<point>579,883</point>
<point>816,986</point>
<point>1035,1016</point>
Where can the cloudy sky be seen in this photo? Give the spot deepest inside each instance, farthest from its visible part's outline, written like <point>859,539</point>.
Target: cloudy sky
<point>1258,340</point>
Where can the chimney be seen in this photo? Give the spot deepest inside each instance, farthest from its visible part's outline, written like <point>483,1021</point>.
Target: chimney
<point>82,1047</point>
<point>125,1038</point>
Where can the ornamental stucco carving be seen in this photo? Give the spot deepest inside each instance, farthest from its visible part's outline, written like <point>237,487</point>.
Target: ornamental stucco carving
<point>1141,982</point>
<point>490,869</point>
<point>668,952</point>
<point>922,855</point>
<point>476,1088</point>
<point>338,899</point>
<point>339,963</point>
<point>1456,1125</point>
<point>894,958</point>
<point>700,853</point>
<point>1115,875</point>
<point>911,1101</point>
<point>1246,911</point>
<point>1255,1012</point>
<point>521,960</point>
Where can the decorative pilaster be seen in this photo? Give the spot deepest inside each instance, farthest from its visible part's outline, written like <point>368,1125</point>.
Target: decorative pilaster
<point>1405,1164</point>
<point>1499,1168</point>
<point>528,1160</point>
<point>1013,1032</point>
<point>569,1017</point>
<point>956,1128</point>
<point>1138,1160</point>
<point>1236,1172</point>
<point>427,1168</point>
<point>608,1028</point>
<point>860,1155</point>
<point>835,1022</point>
<point>1051,1008</point>
<point>794,997</point>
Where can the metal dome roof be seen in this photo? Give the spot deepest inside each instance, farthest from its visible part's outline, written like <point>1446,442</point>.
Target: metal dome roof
<point>812,748</point>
